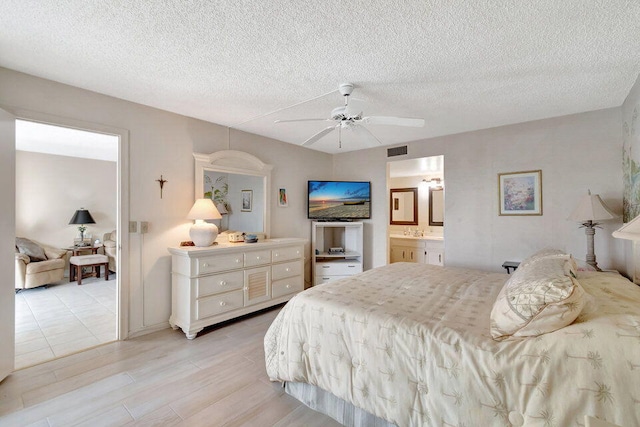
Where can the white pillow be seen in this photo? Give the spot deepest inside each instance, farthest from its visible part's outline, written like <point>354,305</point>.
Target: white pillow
<point>540,297</point>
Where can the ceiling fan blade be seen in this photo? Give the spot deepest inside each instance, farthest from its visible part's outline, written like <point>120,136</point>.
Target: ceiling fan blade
<point>394,121</point>
<point>363,131</point>
<point>302,120</point>
<point>318,135</point>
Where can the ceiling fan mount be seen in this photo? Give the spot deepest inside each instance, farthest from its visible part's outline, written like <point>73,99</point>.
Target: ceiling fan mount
<point>350,116</point>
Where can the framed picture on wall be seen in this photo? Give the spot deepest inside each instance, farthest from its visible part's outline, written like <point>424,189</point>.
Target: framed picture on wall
<point>283,201</point>
<point>520,193</point>
<point>247,200</point>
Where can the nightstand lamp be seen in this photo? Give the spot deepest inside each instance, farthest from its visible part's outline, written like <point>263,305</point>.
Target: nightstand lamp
<point>203,233</point>
<point>589,211</point>
<point>82,217</point>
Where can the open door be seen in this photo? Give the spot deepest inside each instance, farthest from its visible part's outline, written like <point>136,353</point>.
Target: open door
<point>7,242</point>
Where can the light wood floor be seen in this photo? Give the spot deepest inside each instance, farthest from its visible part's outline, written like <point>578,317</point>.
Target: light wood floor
<point>160,379</point>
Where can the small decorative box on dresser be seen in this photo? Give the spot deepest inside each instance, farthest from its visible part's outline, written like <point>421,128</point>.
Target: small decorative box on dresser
<point>217,283</point>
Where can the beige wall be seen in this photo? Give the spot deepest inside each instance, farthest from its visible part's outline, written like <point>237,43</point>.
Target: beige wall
<point>162,143</point>
<point>575,153</point>
<point>50,188</point>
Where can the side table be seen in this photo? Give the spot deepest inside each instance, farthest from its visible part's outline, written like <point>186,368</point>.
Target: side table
<point>508,265</point>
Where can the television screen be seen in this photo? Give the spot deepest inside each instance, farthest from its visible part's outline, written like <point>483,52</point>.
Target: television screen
<point>339,200</point>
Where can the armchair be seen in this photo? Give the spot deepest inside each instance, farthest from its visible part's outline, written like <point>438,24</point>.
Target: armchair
<point>110,241</point>
<point>31,274</point>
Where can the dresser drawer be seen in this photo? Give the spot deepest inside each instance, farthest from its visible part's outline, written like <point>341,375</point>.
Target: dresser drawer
<point>338,268</point>
<point>287,286</point>
<point>224,282</point>
<point>286,269</point>
<point>286,254</point>
<point>216,263</point>
<point>253,258</point>
<point>218,304</point>
<point>324,279</point>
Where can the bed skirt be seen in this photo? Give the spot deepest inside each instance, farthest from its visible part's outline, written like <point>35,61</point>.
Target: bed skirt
<point>327,403</point>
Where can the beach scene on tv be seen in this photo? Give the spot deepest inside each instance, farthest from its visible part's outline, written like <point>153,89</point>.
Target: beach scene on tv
<point>339,200</point>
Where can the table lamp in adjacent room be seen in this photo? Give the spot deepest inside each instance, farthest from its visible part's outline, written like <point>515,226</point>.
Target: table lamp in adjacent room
<point>203,233</point>
<point>81,218</point>
<point>589,211</point>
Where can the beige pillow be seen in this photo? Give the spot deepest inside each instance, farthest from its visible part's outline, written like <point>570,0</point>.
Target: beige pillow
<point>31,249</point>
<point>541,297</point>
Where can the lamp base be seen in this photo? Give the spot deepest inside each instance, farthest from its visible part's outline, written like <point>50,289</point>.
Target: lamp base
<point>203,233</point>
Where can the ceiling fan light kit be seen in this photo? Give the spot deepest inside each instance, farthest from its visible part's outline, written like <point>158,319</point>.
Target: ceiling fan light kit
<point>350,117</point>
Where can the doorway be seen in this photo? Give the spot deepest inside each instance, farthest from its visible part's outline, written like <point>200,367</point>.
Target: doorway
<point>415,228</point>
<point>59,170</point>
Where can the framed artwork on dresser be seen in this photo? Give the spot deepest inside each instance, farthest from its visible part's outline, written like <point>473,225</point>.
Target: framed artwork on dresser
<point>520,193</point>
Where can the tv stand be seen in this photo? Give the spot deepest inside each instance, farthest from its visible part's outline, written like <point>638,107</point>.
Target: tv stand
<point>330,265</point>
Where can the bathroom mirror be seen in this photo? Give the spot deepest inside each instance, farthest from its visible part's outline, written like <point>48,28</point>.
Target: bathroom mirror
<point>228,177</point>
<point>436,206</point>
<point>404,206</point>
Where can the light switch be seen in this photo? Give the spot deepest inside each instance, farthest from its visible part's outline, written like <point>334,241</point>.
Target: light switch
<point>144,227</point>
<point>133,227</point>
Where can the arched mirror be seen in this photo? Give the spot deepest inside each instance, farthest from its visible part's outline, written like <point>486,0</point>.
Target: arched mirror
<point>404,206</point>
<point>436,206</point>
<point>239,184</point>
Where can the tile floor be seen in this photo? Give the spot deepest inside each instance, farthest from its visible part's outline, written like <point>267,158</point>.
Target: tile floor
<point>64,318</point>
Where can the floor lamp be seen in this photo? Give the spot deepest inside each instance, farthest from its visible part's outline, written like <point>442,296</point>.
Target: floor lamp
<point>589,211</point>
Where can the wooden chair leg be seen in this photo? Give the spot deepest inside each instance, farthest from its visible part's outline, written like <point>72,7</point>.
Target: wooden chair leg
<point>97,270</point>
<point>79,274</point>
<point>72,270</point>
<point>106,271</point>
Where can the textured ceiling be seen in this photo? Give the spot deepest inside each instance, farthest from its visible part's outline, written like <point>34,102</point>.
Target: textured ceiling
<point>461,65</point>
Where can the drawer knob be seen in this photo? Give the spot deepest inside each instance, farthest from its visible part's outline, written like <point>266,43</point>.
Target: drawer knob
<point>288,286</point>
<point>276,255</point>
<point>222,303</point>
<point>222,283</point>
<point>237,260</point>
<point>205,264</point>
<point>287,269</point>
<point>297,252</point>
<point>325,266</point>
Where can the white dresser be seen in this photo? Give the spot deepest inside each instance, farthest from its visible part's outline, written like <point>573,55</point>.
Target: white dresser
<point>217,283</point>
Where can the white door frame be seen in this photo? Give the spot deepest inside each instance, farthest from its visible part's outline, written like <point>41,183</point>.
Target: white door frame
<point>7,245</point>
<point>122,214</point>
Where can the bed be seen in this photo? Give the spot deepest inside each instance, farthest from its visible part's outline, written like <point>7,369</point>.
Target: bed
<point>410,344</point>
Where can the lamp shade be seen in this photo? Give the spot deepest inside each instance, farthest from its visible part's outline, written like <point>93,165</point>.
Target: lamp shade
<point>591,208</point>
<point>629,231</point>
<point>82,216</point>
<point>204,209</point>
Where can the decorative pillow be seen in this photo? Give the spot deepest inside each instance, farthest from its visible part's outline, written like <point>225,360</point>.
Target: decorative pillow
<point>31,249</point>
<point>541,297</point>
<point>542,254</point>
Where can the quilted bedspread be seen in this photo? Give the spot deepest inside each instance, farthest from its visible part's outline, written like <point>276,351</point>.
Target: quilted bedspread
<point>410,343</point>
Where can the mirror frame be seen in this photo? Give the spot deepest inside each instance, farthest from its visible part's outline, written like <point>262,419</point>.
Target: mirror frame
<point>413,190</point>
<point>238,162</point>
<point>431,221</point>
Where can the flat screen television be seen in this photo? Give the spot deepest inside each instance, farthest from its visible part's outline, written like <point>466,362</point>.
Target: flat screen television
<point>339,200</point>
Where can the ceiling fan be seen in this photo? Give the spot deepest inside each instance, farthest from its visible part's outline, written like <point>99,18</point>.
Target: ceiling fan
<point>349,117</point>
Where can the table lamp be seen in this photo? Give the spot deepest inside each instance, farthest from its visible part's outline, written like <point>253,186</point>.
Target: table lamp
<point>82,217</point>
<point>203,233</point>
<point>591,209</point>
